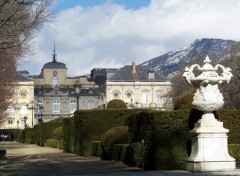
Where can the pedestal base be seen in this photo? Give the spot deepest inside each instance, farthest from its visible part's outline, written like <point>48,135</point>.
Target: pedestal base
<point>210,166</point>
<point>209,147</point>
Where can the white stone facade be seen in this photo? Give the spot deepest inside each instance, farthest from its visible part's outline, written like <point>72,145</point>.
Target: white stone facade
<point>141,94</point>
<point>20,107</point>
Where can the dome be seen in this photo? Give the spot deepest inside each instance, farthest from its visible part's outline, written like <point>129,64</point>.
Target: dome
<point>54,64</point>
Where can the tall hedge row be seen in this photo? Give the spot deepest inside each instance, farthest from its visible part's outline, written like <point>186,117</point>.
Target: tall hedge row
<point>142,130</point>
<point>68,135</point>
<point>39,134</point>
<point>162,137</point>
<point>90,125</point>
<point>231,121</point>
<point>166,135</point>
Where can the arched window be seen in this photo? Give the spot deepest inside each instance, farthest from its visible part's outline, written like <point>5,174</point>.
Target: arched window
<point>145,98</point>
<point>54,81</point>
<point>10,112</point>
<point>72,106</point>
<point>56,107</point>
<point>90,104</point>
<point>23,111</point>
<point>160,99</point>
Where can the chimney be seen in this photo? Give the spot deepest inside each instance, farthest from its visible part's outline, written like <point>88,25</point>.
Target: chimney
<point>133,67</point>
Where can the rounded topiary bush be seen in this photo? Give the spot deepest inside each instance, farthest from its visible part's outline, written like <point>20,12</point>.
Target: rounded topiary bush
<point>58,133</point>
<point>116,103</point>
<point>184,102</point>
<point>116,135</point>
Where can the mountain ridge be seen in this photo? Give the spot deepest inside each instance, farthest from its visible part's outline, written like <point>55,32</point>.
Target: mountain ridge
<point>168,64</point>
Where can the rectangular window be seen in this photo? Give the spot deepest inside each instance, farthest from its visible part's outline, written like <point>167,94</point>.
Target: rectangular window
<point>160,100</point>
<point>72,106</point>
<point>145,99</point>
<point>39,104</point>
<point>90,105</point>
<point>10,112</point>
<point>56,107</point>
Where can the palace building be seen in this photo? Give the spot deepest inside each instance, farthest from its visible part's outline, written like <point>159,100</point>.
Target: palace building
<point>52,94</point>
<point>139,87</point>
<point>49,95</point>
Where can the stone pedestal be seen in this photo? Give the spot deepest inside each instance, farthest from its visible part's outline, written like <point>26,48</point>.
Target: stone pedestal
<point>210,147</point>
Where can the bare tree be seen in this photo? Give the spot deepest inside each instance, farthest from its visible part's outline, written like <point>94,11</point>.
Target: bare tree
<point>20,20</point>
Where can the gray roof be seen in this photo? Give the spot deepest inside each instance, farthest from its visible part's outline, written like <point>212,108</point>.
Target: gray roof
<point>54,64</point>
<point>142,74</point>
<point>23,76</point>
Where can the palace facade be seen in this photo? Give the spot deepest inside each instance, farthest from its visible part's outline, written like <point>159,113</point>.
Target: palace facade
<point>52,94</point>
<point>139,87</point>
<point>49,95</point>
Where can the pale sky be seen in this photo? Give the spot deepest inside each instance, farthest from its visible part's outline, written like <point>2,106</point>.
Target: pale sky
<point>112,33</point>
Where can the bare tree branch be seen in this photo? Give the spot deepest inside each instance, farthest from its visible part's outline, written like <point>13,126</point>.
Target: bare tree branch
<point>20,20</point>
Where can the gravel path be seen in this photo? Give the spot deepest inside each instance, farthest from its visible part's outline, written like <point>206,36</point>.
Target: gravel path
<point>32,160</point>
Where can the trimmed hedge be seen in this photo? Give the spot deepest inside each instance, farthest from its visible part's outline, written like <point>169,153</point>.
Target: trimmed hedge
<point>96,148</point>
<point>115,135</point>
<point>90,125</point>
<point>184,102</point>
<point>58,133</point>
<point>117,103</point>
<point>234,151</point>
<point>30,132</point>
<point>54,143</point>
<point>44,131</point>
<point>231,121</point>
<point>68,135</point>
<point>120,152</point>
<point>159,140</point>
<point>142,129</point>
<point>168,136</point>
<point>165,136</point>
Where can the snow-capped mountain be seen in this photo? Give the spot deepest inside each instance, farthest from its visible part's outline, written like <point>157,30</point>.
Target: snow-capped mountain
<point>169,63</point>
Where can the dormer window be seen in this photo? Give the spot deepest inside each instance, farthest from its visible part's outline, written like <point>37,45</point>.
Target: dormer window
<point>151,74</point>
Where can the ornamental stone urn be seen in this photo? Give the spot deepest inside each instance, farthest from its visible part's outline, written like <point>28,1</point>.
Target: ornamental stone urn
<point>209,144</point>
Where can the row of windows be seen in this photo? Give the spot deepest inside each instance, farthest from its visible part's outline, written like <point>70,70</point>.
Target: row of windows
<point>55,108</point>
<point>14,122</point>
<point>145,97</point>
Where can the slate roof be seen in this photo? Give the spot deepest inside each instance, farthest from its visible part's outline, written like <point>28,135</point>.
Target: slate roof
<point>142,74</point>
<point>54,64</point>
<point>23,76</point>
